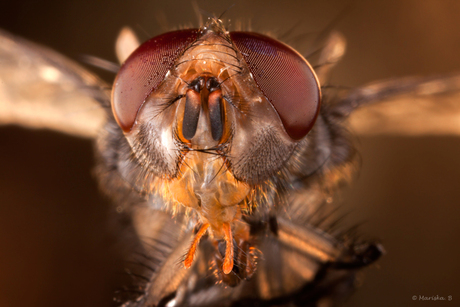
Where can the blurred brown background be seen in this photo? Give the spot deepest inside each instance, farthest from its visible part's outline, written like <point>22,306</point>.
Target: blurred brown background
<point>57,247</point>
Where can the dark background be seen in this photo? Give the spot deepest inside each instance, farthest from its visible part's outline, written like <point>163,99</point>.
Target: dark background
<point>57,244</point>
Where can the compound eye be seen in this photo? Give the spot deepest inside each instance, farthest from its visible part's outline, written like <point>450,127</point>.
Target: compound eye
<point>143,72</point>
<point>285,78</point>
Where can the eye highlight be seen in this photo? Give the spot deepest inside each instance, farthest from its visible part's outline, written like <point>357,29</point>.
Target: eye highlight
<point>285,78</point>
<point>143,72</point>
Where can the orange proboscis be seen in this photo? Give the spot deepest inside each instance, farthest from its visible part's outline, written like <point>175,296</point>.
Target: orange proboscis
<point>228,260</point>
<point>191,252</point>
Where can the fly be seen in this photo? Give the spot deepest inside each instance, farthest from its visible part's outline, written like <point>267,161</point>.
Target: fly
<point>224,148</point>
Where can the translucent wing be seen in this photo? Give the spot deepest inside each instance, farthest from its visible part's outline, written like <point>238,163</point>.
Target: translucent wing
<point>405,106</point>
<point>40,88</point>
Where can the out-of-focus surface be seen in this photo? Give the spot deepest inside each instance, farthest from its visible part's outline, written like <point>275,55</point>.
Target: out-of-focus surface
<point>56,243</point>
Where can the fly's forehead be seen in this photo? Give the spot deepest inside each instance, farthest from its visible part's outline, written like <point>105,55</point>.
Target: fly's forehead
<point>212,54</point>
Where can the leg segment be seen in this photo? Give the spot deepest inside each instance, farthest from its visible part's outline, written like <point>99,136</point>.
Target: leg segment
<point>191,252</point>
<point>228,260</point>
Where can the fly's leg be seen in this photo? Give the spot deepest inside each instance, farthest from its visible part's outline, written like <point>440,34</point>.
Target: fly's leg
<point>242,256</point>
<point>191,252</point>
<point>247,260</point>
<point>228,259</point>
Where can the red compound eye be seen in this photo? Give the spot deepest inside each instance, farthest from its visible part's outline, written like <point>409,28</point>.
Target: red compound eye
<point>144,70</point>
<point>285,78</point>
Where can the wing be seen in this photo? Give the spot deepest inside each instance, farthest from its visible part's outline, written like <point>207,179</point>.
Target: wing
<point>405,106</point>
<point>40,88</point>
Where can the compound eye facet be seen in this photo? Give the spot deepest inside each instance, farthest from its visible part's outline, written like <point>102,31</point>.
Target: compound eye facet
<point>143,72</point>
<point>284,77</point>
